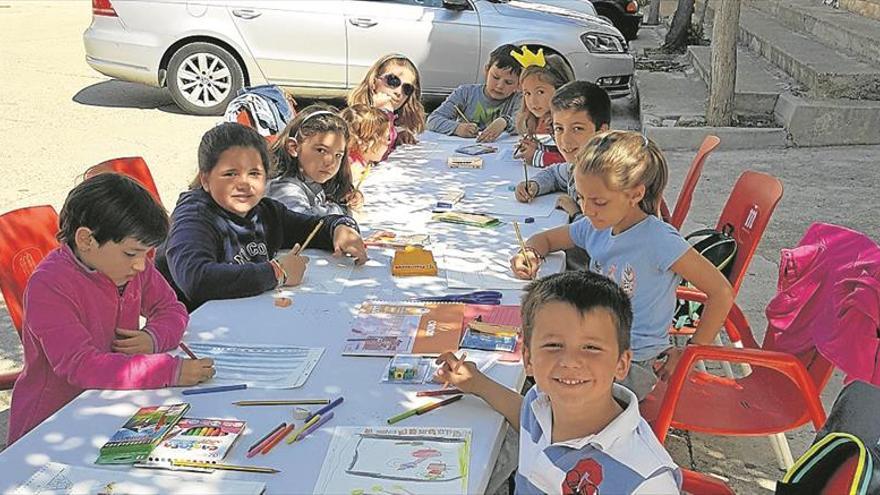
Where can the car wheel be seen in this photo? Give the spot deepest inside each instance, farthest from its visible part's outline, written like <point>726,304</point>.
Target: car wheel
<point>203,78</point>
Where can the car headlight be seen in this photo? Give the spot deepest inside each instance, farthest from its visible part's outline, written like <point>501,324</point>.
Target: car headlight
<point>603,43</point>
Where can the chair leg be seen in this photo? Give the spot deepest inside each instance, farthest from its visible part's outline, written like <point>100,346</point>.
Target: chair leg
<point>782,451</point>
<point>725,366</point>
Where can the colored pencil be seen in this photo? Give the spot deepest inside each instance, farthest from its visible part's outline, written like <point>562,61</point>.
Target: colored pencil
<point>291,402</point>
<point>160,423</point>
<point>461,114</point>
<point>309,238</point>
<point>423,409</point>
<point>522,245</point>
<point>315,426</point>
<point>326,408</point>
<point>292,438</point>
<point>363,176</point>
<point>441,391</point>
<point>257,446</point>
<point>227,467</point>
<point>185,348</point>
<point>208,390</point>
<point>277,438</point>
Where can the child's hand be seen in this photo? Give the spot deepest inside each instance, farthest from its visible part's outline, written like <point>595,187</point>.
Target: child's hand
<point>462,374</point>
<point>132,342</point>
<point>294,265</point>
<point>383,101</point>
<point>526,191</point>
<point>527,148</point>
<point>466,130</point>
<point>346,240</point>
<point>356,200</point>
<point>565,203</point>
<point>193,371</point>
<point>405,136</point>
<point>664,368</point>
<point>492,131</point>
<point>526,270</point>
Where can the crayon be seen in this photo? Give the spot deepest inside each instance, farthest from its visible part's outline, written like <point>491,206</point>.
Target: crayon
<point>326,408</point>
<point>315,426</point>
<point>267,435</point>
<point>272,443</point>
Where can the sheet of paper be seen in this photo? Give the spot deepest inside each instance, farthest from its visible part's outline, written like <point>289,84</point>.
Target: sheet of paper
<point>324,274</point>
<point>259,366</point>
<point>61,479</point>
<point>386,460</point>
<point>471,273</point>
<point>501,201</point>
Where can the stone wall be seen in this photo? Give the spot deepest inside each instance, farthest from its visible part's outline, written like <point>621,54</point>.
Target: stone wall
<point>867,8</point>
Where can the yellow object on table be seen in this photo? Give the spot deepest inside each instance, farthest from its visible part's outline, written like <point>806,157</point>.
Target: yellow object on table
<point>413,260</point>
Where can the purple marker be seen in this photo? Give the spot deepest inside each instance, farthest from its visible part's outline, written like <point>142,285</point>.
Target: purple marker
<point>326,408</point>
<point>315,426</point>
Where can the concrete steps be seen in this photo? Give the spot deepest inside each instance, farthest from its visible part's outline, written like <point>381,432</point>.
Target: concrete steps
<point>826,72</point>
<point>836,28</point>
<point>756,89</point>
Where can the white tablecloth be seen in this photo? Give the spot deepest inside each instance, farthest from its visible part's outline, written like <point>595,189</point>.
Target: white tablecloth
<point>399,195</point>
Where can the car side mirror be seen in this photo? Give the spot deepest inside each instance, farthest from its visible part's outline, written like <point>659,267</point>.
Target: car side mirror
<point>456,4</point>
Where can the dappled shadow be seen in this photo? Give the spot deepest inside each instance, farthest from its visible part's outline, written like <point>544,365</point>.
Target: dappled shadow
<point>121,94</point>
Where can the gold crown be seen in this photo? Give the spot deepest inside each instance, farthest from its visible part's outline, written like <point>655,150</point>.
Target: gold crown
<point>528,58</point>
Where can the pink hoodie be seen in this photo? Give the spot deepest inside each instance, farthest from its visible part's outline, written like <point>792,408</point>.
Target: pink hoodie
<point>71,314</point>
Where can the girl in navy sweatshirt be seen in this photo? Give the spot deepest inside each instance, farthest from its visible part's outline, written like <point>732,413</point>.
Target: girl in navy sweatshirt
<point>225,234</point>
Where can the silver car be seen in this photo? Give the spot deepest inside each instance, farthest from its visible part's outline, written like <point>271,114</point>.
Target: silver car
<point>205,50</point>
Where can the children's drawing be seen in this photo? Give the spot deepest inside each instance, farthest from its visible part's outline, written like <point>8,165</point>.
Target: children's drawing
<point>61,479</point>
<point>260,366</point>
<point>401,461</point>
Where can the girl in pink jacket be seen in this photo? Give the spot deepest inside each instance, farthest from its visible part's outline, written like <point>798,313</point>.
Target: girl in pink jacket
<point>83,302</point>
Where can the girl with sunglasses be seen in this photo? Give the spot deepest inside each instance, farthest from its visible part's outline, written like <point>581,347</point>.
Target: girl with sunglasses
<point>392,84</point>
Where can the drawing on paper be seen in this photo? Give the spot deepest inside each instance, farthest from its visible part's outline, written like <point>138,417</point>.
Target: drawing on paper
<point>396,461</point>
<point>260,366</point>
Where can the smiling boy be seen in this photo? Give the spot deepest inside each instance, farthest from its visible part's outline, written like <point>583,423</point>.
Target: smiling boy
<point>579,431</point>
<point>484,105</point>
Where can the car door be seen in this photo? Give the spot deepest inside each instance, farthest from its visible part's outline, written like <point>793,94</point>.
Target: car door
<point>295,42</point>
<point>443,43</point>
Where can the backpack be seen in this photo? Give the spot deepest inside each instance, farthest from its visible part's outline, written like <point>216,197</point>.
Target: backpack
<point>720,249</point>
<point>844,457</point>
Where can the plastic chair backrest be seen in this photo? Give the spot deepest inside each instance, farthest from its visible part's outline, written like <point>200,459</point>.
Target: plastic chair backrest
<point>27,235</point>
<point>686,195</point>
<point>748,209</point>
<point>133,167</point>
<point>244,118</point>
<point>695,483</point>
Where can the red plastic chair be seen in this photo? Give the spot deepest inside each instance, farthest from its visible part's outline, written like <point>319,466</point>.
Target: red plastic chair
<point>133,167</point>
<point>748,210</point>
<point>27,235</point>
<point>780,394</point>
<point>694,483</point>
<point>686,195</point>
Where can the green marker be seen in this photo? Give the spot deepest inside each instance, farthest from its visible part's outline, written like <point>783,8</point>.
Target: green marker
<point>402,416</point>
<point>423,409</point>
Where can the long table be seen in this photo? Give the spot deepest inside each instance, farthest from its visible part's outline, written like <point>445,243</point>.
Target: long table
<point>399,195</point>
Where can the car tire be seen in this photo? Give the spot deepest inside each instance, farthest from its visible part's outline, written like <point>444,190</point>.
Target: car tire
<point>203,78</point>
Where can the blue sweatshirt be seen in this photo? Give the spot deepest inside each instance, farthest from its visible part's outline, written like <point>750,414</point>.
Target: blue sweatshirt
<point>213,254</point>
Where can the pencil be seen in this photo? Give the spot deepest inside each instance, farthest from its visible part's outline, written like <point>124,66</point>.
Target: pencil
<point>309,238</point>
<point>320,423</point>
<point>208,390</point>
<point>266,437</point>
<point>277,438</point>
<point>291,402</point>
<point>363,176</point>
<point>188,351</point>
<point>227,467</point>
<point>461,114</point>
<point>522,245</point>
<point>423,409</point>
<point>292,438</point>
<point>442,391</point>
<point>526,174</point>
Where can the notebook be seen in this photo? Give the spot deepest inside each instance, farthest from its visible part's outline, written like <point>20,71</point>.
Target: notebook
<point>140,434</point>
<point>195,440</point>
<point>389,328</point>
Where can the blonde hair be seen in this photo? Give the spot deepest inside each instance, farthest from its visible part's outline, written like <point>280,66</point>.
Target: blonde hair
<point>555,72</point>
<point>412,114</point>
<point>368,127</point>
<point>626,159</point>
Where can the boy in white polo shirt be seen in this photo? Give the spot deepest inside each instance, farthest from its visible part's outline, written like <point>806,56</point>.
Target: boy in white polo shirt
<point>580,433</point>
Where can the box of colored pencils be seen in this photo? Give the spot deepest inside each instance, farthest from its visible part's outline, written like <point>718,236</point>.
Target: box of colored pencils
<point>195,440</point>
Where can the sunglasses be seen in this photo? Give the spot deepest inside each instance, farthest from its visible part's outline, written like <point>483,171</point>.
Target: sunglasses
<point>394,82</point>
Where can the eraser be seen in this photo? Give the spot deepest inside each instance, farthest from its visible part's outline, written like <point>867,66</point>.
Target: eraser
<point>300,413</point>
<point>529,220</point>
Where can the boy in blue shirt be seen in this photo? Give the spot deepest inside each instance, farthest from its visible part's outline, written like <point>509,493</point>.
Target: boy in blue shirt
<point>579,431</point>
<point>490,108</point>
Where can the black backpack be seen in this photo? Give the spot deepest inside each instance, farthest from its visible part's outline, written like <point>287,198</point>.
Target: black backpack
<point>848,440</point>
<point>720,249</point>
